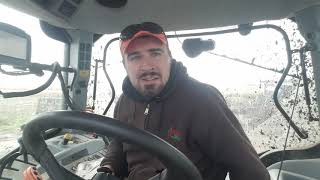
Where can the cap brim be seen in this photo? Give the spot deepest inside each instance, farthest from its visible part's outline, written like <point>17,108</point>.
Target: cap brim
<point>124,44</point>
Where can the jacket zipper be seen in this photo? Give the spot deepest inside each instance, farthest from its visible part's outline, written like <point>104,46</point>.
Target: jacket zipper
<point>146,119</point>
<point>146,112</point>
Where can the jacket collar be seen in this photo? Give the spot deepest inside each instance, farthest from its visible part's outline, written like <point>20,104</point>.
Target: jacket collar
<point>177,73</point>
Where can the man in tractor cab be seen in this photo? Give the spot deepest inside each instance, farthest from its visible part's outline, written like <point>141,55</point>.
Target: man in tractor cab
<point>159,97</point>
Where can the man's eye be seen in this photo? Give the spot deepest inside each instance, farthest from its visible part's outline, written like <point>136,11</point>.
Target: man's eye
<point>154,54</point>
<point>132,58</point>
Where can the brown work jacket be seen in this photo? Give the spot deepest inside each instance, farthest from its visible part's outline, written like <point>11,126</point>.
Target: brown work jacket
<point>194,118</point>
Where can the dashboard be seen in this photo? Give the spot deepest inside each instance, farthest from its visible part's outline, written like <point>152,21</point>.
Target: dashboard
<point>80,155</point>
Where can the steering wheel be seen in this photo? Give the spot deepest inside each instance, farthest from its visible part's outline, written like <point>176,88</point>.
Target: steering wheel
<point>178,165</point>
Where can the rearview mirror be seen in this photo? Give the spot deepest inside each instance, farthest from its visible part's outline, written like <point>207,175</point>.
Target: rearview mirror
<point>195,46</point>
<point>15,46</point>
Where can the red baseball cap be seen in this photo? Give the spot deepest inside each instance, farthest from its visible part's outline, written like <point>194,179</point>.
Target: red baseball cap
<point>125,43</point>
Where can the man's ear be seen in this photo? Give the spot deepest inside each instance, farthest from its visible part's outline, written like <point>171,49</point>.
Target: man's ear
<point>124,64</point>
<point>169,52</point>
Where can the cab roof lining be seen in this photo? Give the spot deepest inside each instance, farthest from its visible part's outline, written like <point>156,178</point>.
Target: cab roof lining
<point>173,15</point>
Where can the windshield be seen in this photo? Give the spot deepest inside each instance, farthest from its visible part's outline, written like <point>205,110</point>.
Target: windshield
<point>246,69</point>
<point>17,111</point>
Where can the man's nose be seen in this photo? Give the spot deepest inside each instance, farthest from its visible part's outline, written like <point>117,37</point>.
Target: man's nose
<point>147,64</point>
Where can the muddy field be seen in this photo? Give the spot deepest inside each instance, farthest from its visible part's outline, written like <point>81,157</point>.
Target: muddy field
<point>16,112</point>
<point>8,142</point>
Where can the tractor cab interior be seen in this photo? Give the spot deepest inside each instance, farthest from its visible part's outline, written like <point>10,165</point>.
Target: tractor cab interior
<point>59,143</point>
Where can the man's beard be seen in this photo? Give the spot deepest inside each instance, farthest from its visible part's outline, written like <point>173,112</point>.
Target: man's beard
<point>150,91</point>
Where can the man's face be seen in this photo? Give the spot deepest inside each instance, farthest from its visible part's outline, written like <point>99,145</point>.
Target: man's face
<point>147,62</point>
